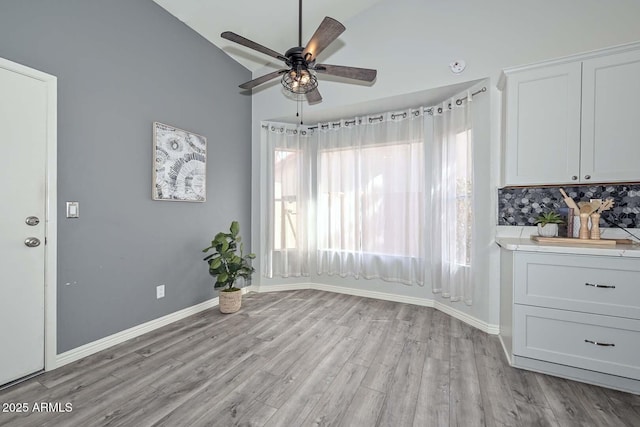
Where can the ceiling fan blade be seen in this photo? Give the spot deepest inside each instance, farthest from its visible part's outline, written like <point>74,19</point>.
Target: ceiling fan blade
<point>251,44</point>
<point>327,32</point>
<point>314,96</point>
<point>364,74</point>
<point>262,79</point>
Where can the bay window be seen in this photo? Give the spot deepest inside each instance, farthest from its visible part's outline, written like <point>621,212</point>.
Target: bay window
<point>386,197</point>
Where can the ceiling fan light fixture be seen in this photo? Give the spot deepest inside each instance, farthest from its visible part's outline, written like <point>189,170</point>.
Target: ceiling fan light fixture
<point>299,78</point>
<point>299,81</point>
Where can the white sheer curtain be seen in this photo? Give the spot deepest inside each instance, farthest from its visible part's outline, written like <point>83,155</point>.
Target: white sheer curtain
<point>370,197</point>
<point>288,197</point>
<point>450,136</point>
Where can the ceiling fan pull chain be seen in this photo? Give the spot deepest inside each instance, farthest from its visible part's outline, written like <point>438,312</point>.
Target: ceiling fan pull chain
<point>300,23</point>
<point>301,109</point>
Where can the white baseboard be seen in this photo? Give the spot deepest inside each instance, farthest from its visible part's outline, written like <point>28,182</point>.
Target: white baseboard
<point>628,385</point>
<point>122,336</point>
<point>468,319</point>
<point>425,302</point>
<point>506,352</point>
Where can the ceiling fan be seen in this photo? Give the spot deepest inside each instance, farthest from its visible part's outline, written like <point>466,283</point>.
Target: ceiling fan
<point>300,75</point>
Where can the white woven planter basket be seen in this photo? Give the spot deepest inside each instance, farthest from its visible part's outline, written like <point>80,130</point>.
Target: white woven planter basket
<point>230,301</point>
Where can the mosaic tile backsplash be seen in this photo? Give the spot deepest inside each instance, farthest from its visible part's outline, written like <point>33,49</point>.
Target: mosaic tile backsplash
<point>521,206</point>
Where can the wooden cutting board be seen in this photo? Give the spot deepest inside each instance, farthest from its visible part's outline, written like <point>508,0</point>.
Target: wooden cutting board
<point>574,241</point>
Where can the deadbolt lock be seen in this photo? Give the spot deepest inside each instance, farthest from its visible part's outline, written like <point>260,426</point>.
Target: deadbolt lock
<point>32,220</point>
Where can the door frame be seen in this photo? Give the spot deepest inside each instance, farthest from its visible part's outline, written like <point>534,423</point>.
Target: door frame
<point>51,204</point>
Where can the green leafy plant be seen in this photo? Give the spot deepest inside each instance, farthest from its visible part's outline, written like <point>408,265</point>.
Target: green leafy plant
<point>228,263</point>
<point>549,218</point>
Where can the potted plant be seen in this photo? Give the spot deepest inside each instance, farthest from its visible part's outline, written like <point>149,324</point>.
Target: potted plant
<point>228,264</point>
<point>548,223</point>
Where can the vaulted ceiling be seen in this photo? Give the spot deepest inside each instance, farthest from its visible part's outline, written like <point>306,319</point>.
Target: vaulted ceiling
<point>272,23</point>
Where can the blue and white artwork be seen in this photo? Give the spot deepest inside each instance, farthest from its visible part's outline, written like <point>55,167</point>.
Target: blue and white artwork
<point>180,159</point>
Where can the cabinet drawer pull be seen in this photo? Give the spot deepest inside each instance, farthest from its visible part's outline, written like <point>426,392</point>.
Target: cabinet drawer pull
<point>595,285</point>
<point>602,344</point>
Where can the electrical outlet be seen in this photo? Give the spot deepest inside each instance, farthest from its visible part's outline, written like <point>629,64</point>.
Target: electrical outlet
<point>159,291</point>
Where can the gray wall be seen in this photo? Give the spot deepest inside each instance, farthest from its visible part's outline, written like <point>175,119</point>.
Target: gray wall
<point>121,65</point>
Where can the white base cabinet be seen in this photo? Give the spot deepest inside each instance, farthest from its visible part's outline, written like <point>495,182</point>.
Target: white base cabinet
<point>574,316</point>
<point>599,343</point>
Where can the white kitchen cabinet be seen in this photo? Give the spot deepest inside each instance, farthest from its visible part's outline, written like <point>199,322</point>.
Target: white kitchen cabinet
<point>543,125</point>
<point>574,316</point>
<point>599,285</point>
<point>573,120</point>
<point>598,343</point>
<point>610,149</point>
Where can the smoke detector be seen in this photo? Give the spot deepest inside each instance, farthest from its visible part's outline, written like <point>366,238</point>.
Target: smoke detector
<point>457,66</point>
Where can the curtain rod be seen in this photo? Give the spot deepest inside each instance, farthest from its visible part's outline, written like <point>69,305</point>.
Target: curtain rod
<point>483,89</point>
<point>458,102</point>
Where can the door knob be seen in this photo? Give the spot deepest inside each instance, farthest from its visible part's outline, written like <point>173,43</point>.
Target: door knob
<point>32,220</point>
<point>32,242</point>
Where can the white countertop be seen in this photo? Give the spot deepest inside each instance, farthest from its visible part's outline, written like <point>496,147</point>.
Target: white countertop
<point>526,244</point>
<point>515,238</point>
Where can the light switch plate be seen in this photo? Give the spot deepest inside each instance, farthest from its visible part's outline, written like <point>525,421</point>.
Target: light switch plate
<point>73,210</point>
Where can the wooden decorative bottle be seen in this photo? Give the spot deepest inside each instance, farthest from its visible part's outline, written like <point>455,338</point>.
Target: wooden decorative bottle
<point>595,226</point>
<point>584,226</point>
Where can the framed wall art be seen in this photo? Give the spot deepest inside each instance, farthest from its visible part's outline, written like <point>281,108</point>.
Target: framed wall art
<point>180,159</point>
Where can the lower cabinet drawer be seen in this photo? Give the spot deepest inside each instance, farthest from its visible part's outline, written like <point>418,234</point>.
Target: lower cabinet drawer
<point>590,284</point>
<point>589,341</point>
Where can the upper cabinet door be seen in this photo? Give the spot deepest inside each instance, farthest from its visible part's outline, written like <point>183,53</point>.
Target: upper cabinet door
<point>542,125</point>
<point>611,118</point>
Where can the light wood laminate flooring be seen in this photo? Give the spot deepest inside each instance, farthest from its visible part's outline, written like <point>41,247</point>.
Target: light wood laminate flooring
<point>312,358</point>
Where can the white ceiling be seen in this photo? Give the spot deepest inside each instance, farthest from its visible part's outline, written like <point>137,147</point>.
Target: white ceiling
<point>273,23</point>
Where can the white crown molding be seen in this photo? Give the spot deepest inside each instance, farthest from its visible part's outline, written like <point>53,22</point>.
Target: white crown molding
<point>566,59</point>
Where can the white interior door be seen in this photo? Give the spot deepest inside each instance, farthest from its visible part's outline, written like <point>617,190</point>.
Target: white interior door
<point>23,144</point>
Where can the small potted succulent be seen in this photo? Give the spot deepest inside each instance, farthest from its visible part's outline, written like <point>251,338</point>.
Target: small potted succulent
<point>548,223</point>
<point>228,264</point>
